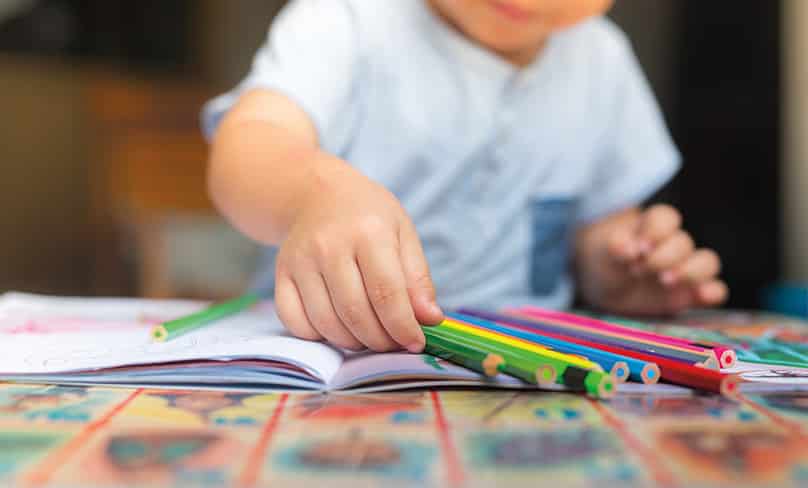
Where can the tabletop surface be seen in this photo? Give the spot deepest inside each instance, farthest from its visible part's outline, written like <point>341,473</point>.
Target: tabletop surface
<point>77,436</point>
<point>66,436</point>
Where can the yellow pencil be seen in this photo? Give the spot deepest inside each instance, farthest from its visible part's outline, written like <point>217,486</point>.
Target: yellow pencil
<point>522,344</point>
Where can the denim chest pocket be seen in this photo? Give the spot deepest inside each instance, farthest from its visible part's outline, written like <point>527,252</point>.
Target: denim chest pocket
<point>551,221</point>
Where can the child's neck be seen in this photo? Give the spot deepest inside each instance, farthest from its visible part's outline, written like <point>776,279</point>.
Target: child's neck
<point>523,57</point>
<point>520,58</point>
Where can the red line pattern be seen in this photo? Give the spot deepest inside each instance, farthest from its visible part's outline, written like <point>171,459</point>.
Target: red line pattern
<point>48,467</point>
<point>255,461</point>
<point>791,427</point>
<point>661,475</point>
<point>455,471</point>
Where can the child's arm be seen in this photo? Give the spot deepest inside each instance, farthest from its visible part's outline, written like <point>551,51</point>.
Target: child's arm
<point>350,268</point>
<point>642,262</point>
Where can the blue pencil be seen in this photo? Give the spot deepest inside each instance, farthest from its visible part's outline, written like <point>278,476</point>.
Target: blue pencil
<point>639,371</point>
<point>656,350</point>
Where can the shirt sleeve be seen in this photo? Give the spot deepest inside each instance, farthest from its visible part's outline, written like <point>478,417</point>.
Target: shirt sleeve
<point>311,56</point>
<point>638,155</point>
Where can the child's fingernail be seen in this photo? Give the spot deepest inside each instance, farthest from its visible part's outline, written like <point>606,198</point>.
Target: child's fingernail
<point>416,347</point>
<point>431,307</point>
<point>631,250</point>
<point>667,277</point>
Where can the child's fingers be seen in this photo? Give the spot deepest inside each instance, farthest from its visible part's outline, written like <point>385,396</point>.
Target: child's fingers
<point>622,245</point>
<point>291,312</point>
<point>713,292</point>
<point>670,252</point>
<point>320,310</point>
<point>351,303</point>
<point>380,264</point>
<point>679,298</point>
<point>419,281</point>
<point>656,224</point>
<point>702,265</point>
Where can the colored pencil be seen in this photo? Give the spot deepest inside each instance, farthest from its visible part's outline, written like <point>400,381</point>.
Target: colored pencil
<point>619,370</point>
<point>574,360</point>
<point>670,370</point>
<point>175,328</point>
<point>727,356</point>
<point>464,355</point>
<point>566,331</point>
<point>594,382</point>
<point>687,354</point>
<point>724,355</point>
<point>639,371</point>
<point>557,360</point>
<point>523,366</point>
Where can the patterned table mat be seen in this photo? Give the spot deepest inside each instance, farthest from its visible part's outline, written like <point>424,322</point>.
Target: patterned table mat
<point>69,436</point>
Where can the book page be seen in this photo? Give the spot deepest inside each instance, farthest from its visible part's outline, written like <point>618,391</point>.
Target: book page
<point>362,369</point>
<point>769,373</point>
<point>47,335</point>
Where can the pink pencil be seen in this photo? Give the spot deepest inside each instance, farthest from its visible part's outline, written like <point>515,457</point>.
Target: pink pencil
<point>724,355</point>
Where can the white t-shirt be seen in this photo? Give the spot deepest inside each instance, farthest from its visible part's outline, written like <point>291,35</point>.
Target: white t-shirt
<point>496,165</point>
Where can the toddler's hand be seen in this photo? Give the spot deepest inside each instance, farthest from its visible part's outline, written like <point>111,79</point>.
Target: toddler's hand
<point>352,270</point>
<point>657,268</point>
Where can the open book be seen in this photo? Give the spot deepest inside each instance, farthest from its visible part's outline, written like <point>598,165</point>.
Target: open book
<point>103,341</point>
<point>106,341</point>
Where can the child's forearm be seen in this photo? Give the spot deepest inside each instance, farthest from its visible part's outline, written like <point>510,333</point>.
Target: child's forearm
<point>350,268</point>
<point>260,174</point>
<point>585,265</point>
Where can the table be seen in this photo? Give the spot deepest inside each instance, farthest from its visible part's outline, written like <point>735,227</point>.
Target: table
<point>77,436</point>
<point>110,437</point>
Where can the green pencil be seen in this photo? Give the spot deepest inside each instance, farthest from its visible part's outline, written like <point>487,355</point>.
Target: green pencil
<point>559,364</point>
<point>596,383</point>
<point>524,367</point>
<point>174,328</point>
<point>472,358</point>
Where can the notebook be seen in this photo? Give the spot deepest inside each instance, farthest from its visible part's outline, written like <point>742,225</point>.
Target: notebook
<point>104,341</point>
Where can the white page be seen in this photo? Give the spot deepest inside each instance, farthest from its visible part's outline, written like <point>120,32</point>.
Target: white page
<point>769,373</point>
<point>267,381</point>
<point>366,368</point>
<point>49,335</point>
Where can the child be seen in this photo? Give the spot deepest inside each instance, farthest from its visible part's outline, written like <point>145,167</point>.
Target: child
<point>506,143</point>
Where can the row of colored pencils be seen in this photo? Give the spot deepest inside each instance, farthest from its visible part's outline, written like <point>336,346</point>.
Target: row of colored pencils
<point>544,347</point>
<point>581,353</point>
<point>490,354</point>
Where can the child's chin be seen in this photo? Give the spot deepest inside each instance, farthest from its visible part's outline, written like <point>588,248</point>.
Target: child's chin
<point>505,42</point>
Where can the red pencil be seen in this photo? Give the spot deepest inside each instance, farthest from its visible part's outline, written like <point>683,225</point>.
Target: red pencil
<point>724,354</point>
<point>673,371</point>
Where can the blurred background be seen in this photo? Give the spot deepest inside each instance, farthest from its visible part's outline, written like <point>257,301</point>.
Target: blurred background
<point>103,191</point>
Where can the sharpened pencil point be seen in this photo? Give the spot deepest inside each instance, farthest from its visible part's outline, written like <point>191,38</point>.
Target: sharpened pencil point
<point>492,364</point>
<point>606,388</point>
<point>546,374</point>
<point>650,374</point>
<point>159,333</point>
<point>728,358</point>
<point>620,371</point>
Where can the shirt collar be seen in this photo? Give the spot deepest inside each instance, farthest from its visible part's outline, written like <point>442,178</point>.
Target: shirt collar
<point>469,53</point>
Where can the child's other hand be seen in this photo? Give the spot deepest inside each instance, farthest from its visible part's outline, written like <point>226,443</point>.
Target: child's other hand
<point>653,266</point>
<point>352,269</point>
